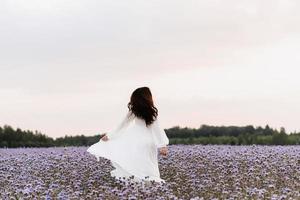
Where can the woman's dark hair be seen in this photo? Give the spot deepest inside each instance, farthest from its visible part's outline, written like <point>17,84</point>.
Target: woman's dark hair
<point>141,105</point>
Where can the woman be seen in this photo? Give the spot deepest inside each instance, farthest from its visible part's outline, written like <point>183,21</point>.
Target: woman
<point>132,146</point>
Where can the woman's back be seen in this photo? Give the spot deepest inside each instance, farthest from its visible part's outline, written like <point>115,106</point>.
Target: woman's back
<point>135,129</point>
<point>132,145</point>
<point>132,148</point>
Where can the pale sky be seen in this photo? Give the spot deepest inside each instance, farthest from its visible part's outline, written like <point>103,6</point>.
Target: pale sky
<point>70,66</point>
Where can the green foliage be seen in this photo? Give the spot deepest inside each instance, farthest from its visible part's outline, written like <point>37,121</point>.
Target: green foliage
<point>230,135</point>
<point>11,138</point>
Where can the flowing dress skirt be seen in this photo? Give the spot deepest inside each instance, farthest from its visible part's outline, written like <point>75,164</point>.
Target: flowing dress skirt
<point>132,153</point>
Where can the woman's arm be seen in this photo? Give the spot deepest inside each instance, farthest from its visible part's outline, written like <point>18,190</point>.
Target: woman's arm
<point>160,136</point>
<point>122,125</point>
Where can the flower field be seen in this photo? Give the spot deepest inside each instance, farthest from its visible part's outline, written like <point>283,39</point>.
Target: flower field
<point>190,171</point>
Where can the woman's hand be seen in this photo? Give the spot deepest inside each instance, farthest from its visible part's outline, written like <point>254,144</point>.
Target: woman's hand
<point>104,138</point>
<point>163,151</point>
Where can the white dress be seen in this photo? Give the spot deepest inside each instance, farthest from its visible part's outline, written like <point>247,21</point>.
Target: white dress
<point>132,149</point>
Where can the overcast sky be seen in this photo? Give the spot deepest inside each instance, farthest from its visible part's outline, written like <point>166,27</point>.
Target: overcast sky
<point>70,66</point>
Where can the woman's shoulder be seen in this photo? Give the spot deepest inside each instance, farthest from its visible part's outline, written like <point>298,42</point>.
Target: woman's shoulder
<point>155,121</point>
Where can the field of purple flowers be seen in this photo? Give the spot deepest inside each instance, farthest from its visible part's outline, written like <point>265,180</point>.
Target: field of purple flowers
<point>190,171</point>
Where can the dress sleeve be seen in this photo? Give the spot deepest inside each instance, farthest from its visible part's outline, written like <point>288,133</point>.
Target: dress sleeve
<point>160,136</point>
<point>121,126</point>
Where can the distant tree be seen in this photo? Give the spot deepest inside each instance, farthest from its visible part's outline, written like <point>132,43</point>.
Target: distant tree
<point>280,138</point>
<point>282,130</point>
<point>231,135</point>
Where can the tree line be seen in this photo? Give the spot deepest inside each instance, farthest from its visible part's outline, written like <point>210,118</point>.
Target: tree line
<point>231,135</point>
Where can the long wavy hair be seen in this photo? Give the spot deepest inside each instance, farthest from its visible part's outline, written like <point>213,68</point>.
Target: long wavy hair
<point>142,106</point>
